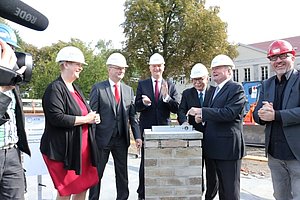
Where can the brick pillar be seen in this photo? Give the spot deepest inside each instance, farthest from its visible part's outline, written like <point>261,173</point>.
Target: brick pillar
<point>173,165</point>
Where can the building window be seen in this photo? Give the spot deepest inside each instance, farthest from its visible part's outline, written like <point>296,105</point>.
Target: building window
<point>247,74</point>
<point>236,75</point>
<point>182,80</point>
<point>264,73</point>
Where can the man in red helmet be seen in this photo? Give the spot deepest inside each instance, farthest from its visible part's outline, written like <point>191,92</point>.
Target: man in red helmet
<point>278,109</point>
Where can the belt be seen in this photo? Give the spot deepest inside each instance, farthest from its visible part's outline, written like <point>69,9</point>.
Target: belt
<point>10,146</point>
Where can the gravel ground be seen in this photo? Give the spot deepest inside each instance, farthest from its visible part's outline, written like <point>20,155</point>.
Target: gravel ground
<point>255,167</point>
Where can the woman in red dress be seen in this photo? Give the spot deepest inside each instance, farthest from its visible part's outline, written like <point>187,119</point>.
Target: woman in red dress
<point>68,142</point>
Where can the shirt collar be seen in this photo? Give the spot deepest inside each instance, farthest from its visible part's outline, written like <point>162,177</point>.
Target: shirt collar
<point>223,83</point>
<point>203,91</point>
<point>112,84</point>
<point>153,79</point>
<point>288,74</point>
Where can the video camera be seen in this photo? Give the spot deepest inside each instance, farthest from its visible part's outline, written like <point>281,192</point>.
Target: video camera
<point>23,14</point>
<point>11,77</point>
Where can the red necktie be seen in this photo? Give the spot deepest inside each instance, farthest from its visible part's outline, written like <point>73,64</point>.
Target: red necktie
<point>156,93</point>
<point>117,95</point>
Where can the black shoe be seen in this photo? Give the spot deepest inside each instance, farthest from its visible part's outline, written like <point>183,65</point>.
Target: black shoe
<point>141,198</point>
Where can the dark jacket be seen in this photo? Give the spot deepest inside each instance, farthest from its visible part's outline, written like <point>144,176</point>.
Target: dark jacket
<point>290,112</point>
<point>156,113</point>
<point>61,140</point>
<point>20,120</point>
<point>103,102</point>
<point>190,99</point>
<point>223,139</point>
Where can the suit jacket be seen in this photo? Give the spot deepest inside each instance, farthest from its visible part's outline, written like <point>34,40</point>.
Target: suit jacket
<point>20,118</point>
<point>190,99</point>
<point>223,138</point>
<point>290,113</point>
<point>61,140</point>
<point>102,101</point>
<point>157,113</point>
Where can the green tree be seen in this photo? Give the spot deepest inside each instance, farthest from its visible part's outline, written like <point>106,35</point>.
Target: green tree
<point>184,32</point>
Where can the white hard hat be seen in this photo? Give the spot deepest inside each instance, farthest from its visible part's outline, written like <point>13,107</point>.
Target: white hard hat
<point>156,59</point>
<point>198,70</point>
<point>72,54</point>
<point>117,59</point>
<point>222,60</point>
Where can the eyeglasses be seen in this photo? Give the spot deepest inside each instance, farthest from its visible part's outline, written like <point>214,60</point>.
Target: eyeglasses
<point>75,63</point>
<point>118,68</point>
<point>198,79</point>
<point>281,56</point>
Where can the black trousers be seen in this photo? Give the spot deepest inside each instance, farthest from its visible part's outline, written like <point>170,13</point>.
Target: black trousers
<point>222,176</point>
<point>141,187</point>
<point>119,150</point>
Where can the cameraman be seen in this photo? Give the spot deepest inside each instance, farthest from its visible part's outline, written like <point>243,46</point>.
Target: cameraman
<point>13,138</point>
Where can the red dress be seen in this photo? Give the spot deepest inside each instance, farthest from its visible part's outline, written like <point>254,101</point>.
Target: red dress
<point>66,181</point>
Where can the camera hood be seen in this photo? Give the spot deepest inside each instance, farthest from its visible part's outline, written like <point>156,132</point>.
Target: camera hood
<point>9,77</point>
<point>25,59</point>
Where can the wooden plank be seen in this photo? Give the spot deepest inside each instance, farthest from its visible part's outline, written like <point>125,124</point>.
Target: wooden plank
<point>256,158</point>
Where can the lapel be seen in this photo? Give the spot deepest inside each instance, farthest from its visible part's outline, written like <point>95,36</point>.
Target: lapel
<point>17,97</point>
<point>288,88</point>
<point>195,97</point>
<point>208,95</point>
<point>270,90</point>
<point>75,109</point>
<point>150,87</point>
<point>122,95</point>
<point>82,97</point>
<point>219,95</point>
<point>160,95</point>
<point>110,96</point>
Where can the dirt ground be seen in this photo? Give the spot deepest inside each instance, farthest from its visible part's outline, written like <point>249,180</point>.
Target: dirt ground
<point>255,163</point>
<point>255,168</point>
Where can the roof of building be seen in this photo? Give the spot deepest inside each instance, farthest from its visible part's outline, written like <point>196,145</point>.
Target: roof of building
<point>295,41</point>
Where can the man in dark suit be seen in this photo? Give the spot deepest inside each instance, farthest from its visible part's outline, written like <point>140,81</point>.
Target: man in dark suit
<point>155,99</point>
<point>223,143</point>
<point>198,96</point>
<point>114,101</point>
<point>278,108</point>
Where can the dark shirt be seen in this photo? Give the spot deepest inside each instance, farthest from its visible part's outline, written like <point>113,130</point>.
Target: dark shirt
<point>279,147</point>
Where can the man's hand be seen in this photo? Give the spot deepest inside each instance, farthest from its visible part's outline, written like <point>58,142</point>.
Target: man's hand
<point>8,56</point>
<point>6,88</point>
<point>266,112</point>
<point>138,144</point>
<point>146,100</point>
<point>193,111</point>
<point>164,89</point>
<point>8,59</point>
<point>198,118</point>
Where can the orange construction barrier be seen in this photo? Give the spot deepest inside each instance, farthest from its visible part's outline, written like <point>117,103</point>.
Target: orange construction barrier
<point>248,119</point>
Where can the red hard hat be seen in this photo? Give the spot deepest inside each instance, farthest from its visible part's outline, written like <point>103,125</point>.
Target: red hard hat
<point>279,47</point>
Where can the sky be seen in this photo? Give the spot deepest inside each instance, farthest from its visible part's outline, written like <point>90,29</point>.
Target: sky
<point>249,21</point>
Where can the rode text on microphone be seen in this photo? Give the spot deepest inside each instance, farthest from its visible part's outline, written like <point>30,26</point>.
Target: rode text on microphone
<point>23,14</point>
